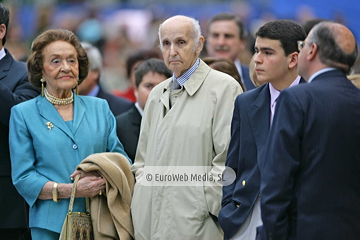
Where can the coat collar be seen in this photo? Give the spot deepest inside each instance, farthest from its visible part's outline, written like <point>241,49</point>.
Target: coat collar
<point>191,86</point>
<point>49,112</point>
<point>197,78</point>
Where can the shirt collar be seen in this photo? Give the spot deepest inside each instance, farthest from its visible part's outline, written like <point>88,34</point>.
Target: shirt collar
<point>95,91</point>
<point>2,53</point>
<point>274,93</point>
<point>238,66</point>
<point>183,78</point>
<point>320,72</point>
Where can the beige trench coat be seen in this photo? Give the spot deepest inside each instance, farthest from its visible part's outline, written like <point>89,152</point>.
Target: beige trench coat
<point>194,132</point>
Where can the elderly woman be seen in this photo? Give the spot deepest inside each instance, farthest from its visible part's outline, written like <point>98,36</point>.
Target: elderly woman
<point>51,134</point>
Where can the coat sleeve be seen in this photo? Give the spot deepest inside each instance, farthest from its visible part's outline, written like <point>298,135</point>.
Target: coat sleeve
<point>26,179</point>
<point>224,106</point>
<point>279,168</point>
<point>22,91</point>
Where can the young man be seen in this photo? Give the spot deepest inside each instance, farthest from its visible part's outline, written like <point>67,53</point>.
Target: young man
<point>276,61</point>
<point>186,123</point>
<point>147,75</point>
<point>310,187</point>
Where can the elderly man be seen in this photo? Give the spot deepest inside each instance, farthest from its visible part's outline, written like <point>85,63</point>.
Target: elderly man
<point>226,38</point>
<point>310,186</point>
<point>186,123</point>
<point>91,84</point>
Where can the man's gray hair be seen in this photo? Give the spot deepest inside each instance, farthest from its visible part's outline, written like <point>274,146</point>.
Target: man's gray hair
<point>94,56</point>
<point>196,32</point>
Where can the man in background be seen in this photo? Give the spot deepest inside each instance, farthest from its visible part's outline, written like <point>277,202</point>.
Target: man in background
<point>147,75</point>
<point>14,88</point>
<point>91,84</point>
<point>226,38</point>
<point>133,60</point>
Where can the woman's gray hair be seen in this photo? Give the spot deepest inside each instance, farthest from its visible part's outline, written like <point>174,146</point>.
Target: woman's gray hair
<point>195,34</point>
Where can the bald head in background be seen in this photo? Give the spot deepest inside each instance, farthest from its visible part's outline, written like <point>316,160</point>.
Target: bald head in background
<point>328,44</point>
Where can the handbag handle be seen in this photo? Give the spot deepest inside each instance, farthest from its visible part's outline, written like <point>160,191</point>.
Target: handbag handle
<point>73,192</point>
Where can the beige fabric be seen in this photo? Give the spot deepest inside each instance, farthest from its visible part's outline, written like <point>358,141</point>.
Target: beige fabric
<point>175,94</point>
<point>110,212</point>
<point>194,132</point>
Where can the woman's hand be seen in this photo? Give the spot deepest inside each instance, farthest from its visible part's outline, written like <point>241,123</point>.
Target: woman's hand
<point>90,183</point>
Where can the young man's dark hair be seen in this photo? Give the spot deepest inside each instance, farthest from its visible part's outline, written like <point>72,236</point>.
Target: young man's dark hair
<point>151,65</point>
<point>275,30</point>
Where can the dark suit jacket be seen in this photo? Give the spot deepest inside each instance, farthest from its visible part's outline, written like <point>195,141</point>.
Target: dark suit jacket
<point>246,78</point>
<point>128,130</point>
<point>250,127</point>
<point>117,105</point>
<point>14,88</point>
<point>312,162</point>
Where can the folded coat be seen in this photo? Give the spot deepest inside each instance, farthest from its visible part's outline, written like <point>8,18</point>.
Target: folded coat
<point>110,212</point>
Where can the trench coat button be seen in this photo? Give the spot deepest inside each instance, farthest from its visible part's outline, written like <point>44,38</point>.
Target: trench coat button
<point>237,205</point>
<point>75,146</point>
<point>243,182</point>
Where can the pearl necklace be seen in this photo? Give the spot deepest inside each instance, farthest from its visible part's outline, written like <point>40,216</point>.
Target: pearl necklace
<point>58,101</point>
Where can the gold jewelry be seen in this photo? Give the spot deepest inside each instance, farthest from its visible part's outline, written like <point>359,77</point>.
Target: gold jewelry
<point>42,87</point>
<point>55,193</point>
<point>59,101</point>
<point>50,125</point>
<point>77,88</point>
<point>100,193</point>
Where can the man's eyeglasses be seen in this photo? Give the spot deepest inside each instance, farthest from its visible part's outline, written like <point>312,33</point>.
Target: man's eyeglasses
<point>301,45</point>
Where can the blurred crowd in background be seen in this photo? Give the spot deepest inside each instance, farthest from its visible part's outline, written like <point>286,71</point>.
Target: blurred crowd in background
<point>119,28</point>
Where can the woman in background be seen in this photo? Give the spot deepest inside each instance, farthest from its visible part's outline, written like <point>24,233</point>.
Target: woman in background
<point>226,66</point>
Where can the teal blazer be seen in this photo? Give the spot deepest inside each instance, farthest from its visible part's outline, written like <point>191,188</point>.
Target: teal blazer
<point>43,147</point>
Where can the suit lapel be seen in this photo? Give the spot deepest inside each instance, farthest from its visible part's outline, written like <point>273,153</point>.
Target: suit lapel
<point>5,64</point>
<point>135,120</point>
<point>49,112</point>
<point>135,117</point>
<point>79,112</point>
<point>259,116</point>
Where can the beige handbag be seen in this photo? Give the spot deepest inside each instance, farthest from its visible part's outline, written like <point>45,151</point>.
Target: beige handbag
<point>77,225</point>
